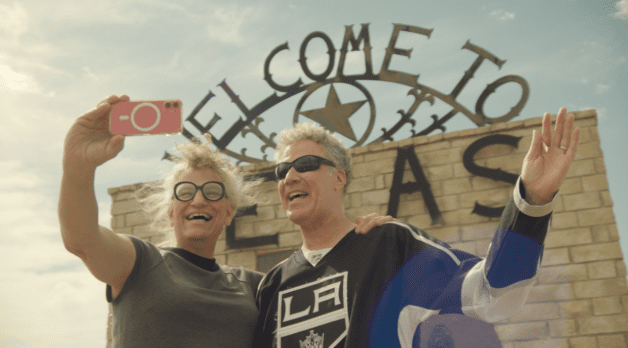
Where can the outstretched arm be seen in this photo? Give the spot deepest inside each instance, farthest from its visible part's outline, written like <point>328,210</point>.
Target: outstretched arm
<point>88,144</point>
<point>549,158</point>
<point>517,247</point>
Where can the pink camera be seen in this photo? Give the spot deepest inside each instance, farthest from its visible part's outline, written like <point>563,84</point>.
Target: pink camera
<point>146,117</point>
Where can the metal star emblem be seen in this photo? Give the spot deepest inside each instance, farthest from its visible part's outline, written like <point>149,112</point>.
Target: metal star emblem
<point>335,115</point>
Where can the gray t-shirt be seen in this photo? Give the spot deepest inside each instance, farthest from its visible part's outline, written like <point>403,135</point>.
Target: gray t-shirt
<point>172,301</point>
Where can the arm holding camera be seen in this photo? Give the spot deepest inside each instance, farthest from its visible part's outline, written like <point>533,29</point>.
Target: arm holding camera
<point>110,257</point>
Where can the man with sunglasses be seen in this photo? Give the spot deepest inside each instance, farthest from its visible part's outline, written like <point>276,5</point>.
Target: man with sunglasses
<point>172,293</point>
<point>343,289</point>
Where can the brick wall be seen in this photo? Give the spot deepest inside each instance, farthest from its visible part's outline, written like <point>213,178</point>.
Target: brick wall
<point>580,298</point>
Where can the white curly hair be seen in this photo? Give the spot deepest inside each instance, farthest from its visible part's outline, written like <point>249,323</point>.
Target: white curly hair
<point>157,197</point>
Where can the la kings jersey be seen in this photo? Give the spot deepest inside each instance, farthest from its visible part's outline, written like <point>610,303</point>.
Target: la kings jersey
<point>374,290</point>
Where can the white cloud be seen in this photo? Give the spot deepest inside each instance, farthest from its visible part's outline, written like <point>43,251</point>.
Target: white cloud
<point>502,15</point>
<point>174,63</point>
<point>601,111</point>
<point>92,12</point>
<point>24,61</point>
<point>12,177</point>
<point>45,125</point>
<point>13,20</point>
<point>25,212</point>
<point>18,59</point>
<point>622,9</point>
<point>590,61</point>
<point>87,72</point>
<point>15,81</point>
<point>600,88</point>
<point>227,24</point>
<point>73,312</point>
<point>48,298</point>
<point>14,23</point>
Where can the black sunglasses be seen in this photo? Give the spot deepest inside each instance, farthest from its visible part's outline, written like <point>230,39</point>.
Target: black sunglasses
<point>302,164</point>
<point>212,190</point>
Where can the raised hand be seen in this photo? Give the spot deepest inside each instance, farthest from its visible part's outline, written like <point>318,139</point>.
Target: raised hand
<point>366,223</point>
<point>549,158</point>
<point>89,143</point>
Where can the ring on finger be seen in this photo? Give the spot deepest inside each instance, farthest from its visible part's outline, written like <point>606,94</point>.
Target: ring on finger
<point>562,147</point>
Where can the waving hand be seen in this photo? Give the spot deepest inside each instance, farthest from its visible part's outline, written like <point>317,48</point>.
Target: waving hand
<point>549,158</point>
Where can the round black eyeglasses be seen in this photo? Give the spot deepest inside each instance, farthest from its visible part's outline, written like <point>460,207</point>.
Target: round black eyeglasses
<point>212,190</point>
<point>302,164</point>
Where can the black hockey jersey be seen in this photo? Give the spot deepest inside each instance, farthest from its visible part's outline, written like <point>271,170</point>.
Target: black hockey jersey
<point>374,290</point>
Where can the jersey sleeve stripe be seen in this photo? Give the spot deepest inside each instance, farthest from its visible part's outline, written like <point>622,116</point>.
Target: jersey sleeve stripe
<point>481,301</point>
<point>528,209</point>
<point>427,241</point>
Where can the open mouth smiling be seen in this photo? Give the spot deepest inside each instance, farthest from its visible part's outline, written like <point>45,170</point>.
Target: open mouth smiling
<point>295,195</point>
<point>199,217</point>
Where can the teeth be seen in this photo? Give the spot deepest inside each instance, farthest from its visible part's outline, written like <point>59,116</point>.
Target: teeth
<point>203,216</point>
<point>296,194</point>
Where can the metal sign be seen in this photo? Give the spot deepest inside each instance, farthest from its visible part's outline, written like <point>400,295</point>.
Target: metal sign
<point>334,115</point>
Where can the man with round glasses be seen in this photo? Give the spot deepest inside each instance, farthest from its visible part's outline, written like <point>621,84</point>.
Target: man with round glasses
<point>176,295</point>
<point>211,190</point>
<point>343,289</point>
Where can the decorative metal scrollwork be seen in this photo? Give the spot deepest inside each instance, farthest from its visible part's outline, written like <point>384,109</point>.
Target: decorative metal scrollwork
<point>334,116</point>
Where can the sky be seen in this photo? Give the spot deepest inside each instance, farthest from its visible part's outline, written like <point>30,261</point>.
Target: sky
<point>59,58</point>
